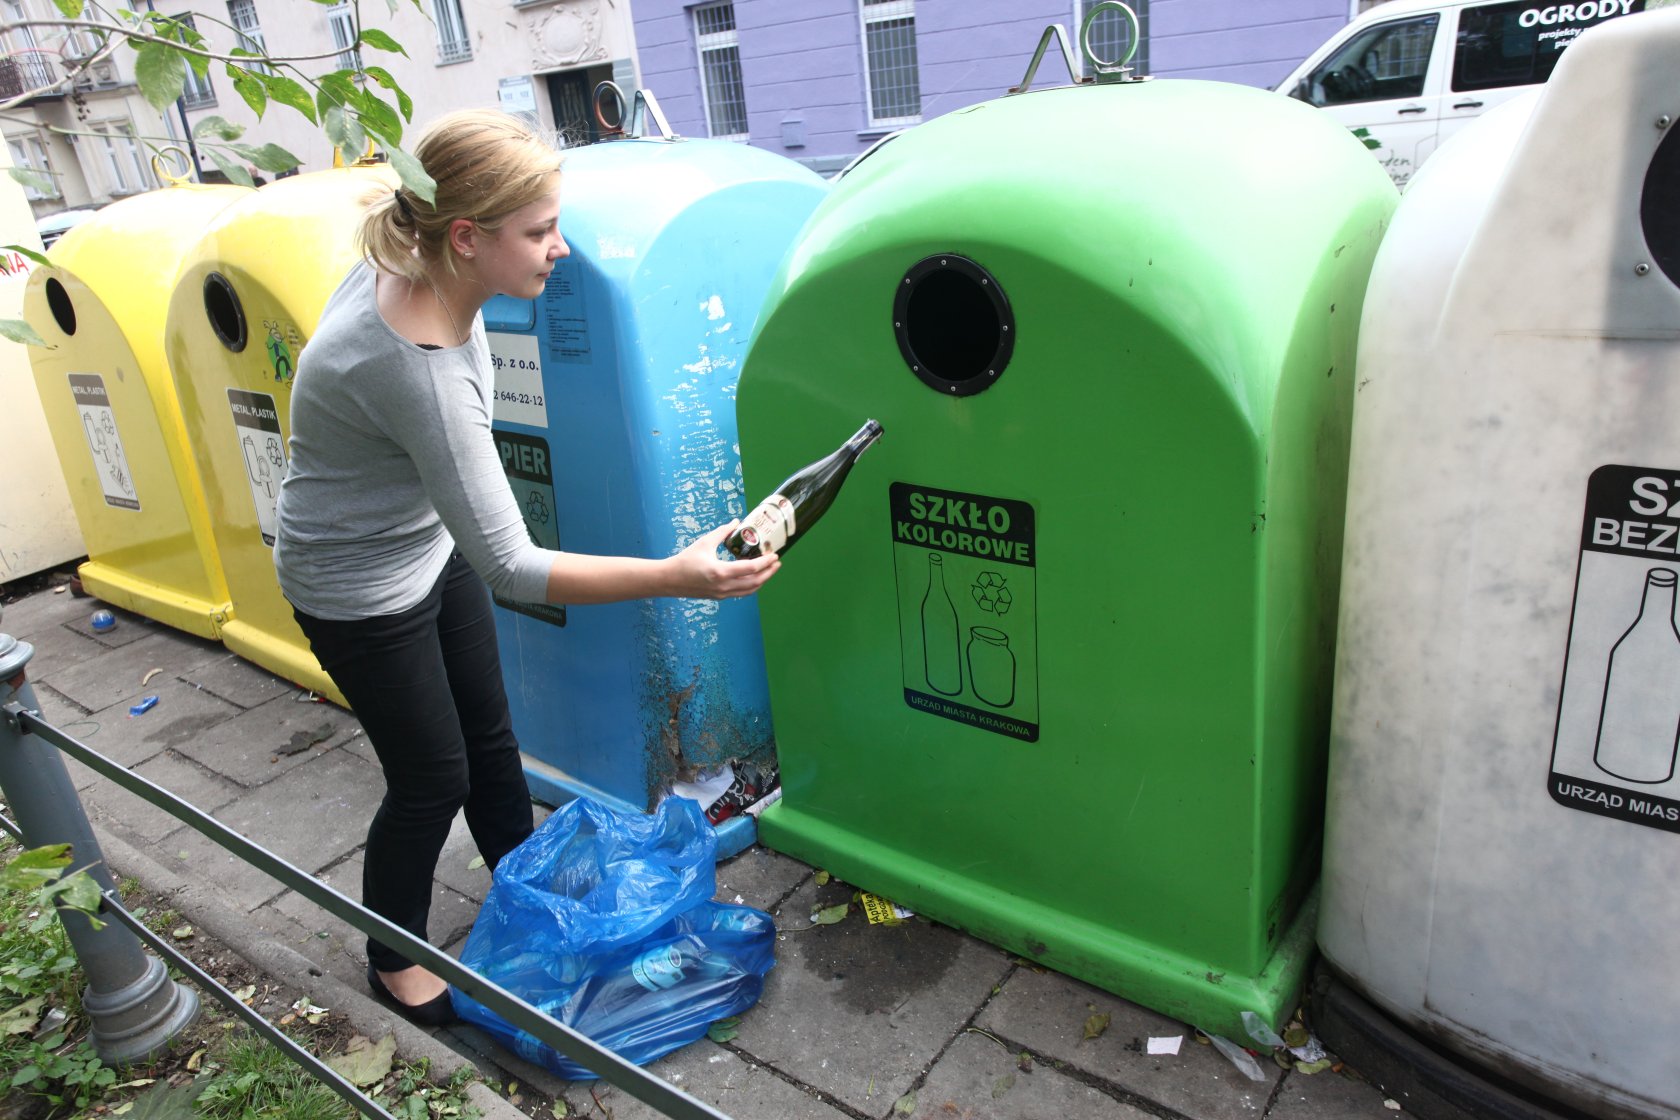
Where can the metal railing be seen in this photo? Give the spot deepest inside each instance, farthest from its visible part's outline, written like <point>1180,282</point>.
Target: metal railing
<point>23,71</point>
<point>136,1010</point>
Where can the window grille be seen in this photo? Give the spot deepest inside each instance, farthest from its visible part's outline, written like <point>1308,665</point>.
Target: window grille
<point>1110,33</point>
<point>342,21</point>
<point>720,70</point>
<point>453,44</point>
<point>198,93</point>
<point>889,48</point>
<point>243,15</point>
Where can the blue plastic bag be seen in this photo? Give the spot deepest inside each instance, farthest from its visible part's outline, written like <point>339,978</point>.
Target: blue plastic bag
<point>604,921</point>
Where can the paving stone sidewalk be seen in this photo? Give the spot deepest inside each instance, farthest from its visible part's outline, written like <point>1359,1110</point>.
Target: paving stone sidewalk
<point>854,1019</point>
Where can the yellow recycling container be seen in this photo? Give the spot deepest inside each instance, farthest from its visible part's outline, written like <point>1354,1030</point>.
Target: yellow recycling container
<point>249,296</point>
<point>112,409</point>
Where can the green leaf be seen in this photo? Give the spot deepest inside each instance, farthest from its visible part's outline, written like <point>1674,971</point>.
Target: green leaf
<point>25,1075</point>
<point>72,9</point>
<point>821,878</point>
<point>413,175</point>
<point>288,92</point>
<point>1097,1024</point>
<point>269,157</point>
<point>404,101</point>
<point>905,1105</point>
<point>379,118</point>
<point>30,253</point>
<point>21,331</point>
<point>380,41</point>
<point>346,135</point>
<point>35,868</point>
<point>219,127</point>
<point>183,32</point>
<point>1002,1085</point>
<point>38,180</point>
<point>561,1109</point>
<point>22,1018</point>
<point>335,88</point>
<point>724,1029</point>
<point>161,74</point>
<point>80,892</point>
<point>831,915</point>
<point>249,90</point>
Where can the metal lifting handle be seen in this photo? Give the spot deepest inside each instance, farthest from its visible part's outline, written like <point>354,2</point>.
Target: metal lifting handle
<point>643,109</point>
<point>160,166</point>
<point>1117,70</point>
<point>1059,33</point>
<point>1104,70</point>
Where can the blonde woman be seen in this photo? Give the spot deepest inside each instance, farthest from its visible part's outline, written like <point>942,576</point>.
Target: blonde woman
<point>395,513</point>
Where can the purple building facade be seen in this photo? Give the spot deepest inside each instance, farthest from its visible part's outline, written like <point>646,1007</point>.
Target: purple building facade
<point>820,80</point>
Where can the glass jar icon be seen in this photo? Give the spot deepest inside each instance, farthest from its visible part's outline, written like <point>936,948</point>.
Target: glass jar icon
<point>991,666</point>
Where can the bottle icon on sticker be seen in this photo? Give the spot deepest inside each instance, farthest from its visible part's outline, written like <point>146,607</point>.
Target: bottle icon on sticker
<point>1639,721</point>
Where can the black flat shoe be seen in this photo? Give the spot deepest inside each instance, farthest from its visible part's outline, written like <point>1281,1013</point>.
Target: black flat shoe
<point>435,1012</point>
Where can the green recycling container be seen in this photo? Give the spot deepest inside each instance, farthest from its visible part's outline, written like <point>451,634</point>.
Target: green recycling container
<point>1055,668</point>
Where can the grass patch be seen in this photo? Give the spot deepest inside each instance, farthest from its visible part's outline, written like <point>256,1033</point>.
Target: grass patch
<point>49,1070</point>
<point>255,1079</point>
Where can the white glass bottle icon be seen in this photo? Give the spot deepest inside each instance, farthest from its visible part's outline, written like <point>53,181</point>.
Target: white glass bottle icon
<point>941,643</point>
<point>1639,724</point>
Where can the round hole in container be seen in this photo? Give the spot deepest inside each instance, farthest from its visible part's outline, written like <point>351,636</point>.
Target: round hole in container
<point>58,302</point>
<point>223,309</point>
<point>1659,206</point>
<point>953,324</point>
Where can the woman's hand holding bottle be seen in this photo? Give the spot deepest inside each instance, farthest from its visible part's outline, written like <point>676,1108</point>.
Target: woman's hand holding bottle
<point>701,575</point>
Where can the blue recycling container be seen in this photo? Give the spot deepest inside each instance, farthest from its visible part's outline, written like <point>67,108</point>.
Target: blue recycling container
<point>615,419</point>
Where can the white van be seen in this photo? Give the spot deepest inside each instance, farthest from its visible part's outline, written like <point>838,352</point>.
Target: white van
<point>1407,74</point>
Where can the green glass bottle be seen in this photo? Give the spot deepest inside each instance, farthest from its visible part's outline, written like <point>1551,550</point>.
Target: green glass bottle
<point>785,516</point>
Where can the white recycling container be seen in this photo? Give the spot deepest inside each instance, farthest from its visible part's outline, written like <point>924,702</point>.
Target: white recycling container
<point>1502,849</point>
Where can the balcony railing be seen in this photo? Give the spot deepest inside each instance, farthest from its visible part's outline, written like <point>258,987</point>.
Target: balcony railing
<point>22,71</point>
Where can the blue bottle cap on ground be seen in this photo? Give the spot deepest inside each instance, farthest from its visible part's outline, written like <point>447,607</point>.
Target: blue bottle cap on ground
<point>103,621</point>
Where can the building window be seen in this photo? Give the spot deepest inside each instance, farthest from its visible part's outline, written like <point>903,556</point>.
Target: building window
<point>720,70</point>
<point>452,32</point>
<point>128,171</point>
<point>1111,33</point>
<point>889,51</point>
<point>198,93</point>
<point>28,151</point>
<point>243,15</point>
<point>341,19</point>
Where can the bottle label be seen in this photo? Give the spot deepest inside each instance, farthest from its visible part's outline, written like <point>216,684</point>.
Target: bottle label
<point>658,968</point>
<point>770,524</point>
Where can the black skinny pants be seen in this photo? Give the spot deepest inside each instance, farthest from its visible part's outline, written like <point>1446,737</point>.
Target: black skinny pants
<point>427,686</point>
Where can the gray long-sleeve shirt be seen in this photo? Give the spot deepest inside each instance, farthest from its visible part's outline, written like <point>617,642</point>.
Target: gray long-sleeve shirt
<point>392,468</point>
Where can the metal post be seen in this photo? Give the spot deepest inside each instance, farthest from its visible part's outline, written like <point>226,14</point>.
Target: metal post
<point>135,1007</point>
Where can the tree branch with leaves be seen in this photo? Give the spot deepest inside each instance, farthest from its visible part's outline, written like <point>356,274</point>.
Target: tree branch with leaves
<point>346,104</point>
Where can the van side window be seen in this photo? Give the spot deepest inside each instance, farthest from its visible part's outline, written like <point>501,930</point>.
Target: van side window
<point>1383,62</point>
<point>1518,44</point>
